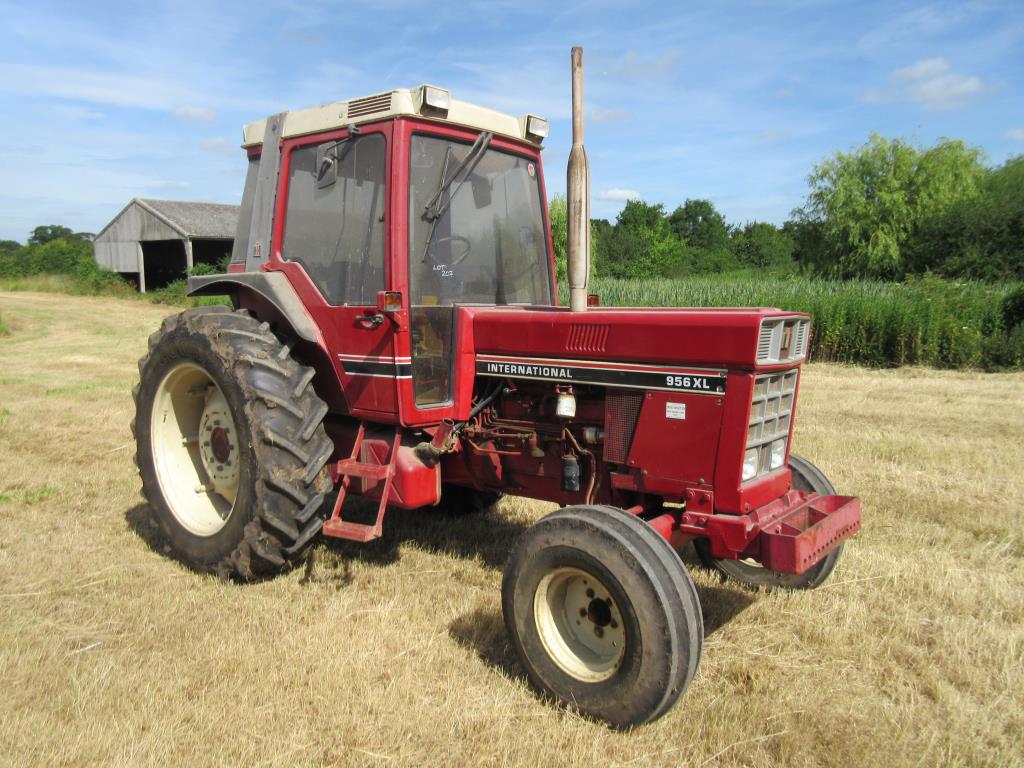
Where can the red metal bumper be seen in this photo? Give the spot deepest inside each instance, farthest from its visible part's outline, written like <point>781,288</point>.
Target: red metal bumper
<point>788,535</point>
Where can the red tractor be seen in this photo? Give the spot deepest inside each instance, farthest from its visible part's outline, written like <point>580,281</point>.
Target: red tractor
<point>396,333</point>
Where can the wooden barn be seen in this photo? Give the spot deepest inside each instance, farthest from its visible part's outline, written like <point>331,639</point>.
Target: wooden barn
<point>154,242</point>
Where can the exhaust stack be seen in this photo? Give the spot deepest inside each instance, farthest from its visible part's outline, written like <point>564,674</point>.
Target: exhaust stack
<point>578,197</point>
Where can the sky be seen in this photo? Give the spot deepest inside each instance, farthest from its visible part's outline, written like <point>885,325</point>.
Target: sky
<point>733,102</point>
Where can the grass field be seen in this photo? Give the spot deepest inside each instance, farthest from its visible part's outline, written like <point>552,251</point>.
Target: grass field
<point>393,653</point>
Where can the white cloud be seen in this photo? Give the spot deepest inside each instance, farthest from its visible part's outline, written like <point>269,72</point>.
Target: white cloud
<point>91,86</point>
<point>930,83</point>
<point>1014,134</point>
<point>219,144</point>
<point>619,195</point>
<point>196,114</point>
<point>598,115</point>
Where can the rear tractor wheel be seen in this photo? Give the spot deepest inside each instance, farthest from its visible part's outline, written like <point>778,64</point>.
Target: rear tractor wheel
<point>602,614</point>
<point>806,477</point>
<point>231,445</point>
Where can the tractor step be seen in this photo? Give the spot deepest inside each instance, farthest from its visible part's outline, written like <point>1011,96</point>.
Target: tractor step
<point>343,529</point>
<point>351,467</point>
<point>354,468</point>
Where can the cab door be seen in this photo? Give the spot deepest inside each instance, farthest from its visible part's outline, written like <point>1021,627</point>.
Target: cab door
<point>333,243</point>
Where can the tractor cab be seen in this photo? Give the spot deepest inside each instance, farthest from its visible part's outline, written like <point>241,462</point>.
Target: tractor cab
<point>388,212</point>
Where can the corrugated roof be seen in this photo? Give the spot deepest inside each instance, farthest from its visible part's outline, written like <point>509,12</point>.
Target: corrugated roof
<point>195,219</point>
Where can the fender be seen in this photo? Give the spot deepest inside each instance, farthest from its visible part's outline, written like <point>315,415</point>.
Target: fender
<point>272,286</point>
<point>269,294</point>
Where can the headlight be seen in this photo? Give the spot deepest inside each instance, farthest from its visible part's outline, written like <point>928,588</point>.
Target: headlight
<point>438,98</point>
<point>749,464</point>
<point>537,126</point>
<point>778,454</point>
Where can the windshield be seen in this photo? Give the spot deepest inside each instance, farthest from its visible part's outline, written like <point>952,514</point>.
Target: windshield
<point>476,232</point>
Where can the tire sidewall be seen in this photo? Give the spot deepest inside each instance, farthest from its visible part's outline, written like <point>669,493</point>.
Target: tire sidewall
<point>181,346</point>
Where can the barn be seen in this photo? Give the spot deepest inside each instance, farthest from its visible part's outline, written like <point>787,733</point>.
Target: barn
<point>154,242</point>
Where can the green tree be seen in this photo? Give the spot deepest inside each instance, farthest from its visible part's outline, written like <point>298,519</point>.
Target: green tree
<point>8,246</point>
<point>698,224</point>
<point>872,202</point>
<point>762,245</point>
<point>45,233</point>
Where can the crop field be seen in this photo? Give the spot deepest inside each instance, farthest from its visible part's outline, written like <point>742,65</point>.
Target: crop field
<point>394,654</point>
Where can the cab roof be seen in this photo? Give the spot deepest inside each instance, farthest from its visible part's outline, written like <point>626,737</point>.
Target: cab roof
<point>396,103</point>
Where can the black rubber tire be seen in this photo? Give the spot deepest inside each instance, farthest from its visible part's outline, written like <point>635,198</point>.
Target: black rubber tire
<point>283,447</point>
<point>663,626</point>
<point>462,500</point>
<point>806,477</point>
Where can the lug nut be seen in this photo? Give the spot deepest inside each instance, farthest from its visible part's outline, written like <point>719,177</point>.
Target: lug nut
<point>590,593</point>
<point>598,631</point>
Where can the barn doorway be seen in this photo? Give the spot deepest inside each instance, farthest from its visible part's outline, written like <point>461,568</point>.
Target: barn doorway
<point>212,252</point>
<point>163,262</point>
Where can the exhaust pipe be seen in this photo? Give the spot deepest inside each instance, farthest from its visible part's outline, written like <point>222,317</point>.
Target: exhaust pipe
<point>577,197</point>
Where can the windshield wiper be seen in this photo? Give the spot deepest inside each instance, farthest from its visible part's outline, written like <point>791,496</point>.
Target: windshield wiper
<point>435,209</point>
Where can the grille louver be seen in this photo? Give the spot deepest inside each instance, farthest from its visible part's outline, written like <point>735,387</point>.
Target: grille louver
<point>783,340</point>
<point>622,410</point>
<point>585,337</point>
<point>771,413</point>
<point>380,102</point>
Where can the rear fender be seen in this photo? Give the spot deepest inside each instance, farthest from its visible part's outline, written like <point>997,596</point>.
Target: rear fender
<point>271,298</point>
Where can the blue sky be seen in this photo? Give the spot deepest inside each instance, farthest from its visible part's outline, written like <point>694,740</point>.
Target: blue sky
<point>732,102</point>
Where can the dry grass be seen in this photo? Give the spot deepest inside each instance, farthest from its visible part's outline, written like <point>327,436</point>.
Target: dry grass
<point>394,653</point>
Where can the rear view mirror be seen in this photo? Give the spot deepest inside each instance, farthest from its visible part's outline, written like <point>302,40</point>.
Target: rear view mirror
<point>326,164</point>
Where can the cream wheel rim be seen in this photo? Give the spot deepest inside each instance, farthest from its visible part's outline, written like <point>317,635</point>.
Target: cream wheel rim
<point>195,444</point>
<point>580,624</point>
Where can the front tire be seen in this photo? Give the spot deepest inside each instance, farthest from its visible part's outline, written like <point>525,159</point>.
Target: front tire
<point>806,477</point>
<point>602,614</point>
<point>231,446</point>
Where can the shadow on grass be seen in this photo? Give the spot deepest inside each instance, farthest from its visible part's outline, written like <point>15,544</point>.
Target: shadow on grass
<point>485,535</point>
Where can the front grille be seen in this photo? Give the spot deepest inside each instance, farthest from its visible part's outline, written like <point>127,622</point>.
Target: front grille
<point>783,340</point>
<point>771,413</point>
<point>621,411</point>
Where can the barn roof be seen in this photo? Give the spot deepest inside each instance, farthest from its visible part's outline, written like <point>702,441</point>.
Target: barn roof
<point>187,218</point>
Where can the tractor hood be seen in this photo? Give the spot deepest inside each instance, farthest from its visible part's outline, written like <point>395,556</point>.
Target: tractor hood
<point>718,338</point>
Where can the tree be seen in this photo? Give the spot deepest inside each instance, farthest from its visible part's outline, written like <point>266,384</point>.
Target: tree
<point>872,201</point>
<point>699,225</point>
<point>762,245</point>
<point>44,234</point>
<point>9,246</point>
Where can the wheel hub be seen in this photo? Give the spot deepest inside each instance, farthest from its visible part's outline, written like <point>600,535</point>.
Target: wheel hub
<point>195,448</point>
<point>579,624</point>
<point>217,446</point>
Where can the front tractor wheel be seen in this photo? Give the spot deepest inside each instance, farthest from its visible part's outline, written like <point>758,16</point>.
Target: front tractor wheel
<point>602,614</point>
<point>806,477</point>
<point>231,445</point>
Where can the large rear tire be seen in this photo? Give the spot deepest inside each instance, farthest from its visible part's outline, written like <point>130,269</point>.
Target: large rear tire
<point>231,446</point>
<point>602,614</point>
<point>806,477</point>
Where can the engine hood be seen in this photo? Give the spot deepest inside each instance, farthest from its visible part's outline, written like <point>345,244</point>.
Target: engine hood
<point>719,337</point>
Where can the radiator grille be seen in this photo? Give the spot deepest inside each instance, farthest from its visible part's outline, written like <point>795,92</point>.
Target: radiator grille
<point>783,340</point>
<point>587,337</point>
<point>771,413</point>
<point>380,102</point>
<point>621,411</point>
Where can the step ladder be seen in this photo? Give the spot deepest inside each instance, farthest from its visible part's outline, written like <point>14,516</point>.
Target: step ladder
<point>368,470</point>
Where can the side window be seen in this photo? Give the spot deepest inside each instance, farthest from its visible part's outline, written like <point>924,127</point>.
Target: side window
<point>334,220</point>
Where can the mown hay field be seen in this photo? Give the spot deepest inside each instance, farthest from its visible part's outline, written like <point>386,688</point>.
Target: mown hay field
<point>393,653</point>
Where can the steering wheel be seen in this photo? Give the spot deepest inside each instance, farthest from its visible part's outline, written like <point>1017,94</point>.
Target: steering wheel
<point>454,262</point>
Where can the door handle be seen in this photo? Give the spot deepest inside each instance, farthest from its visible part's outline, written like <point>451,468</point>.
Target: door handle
<point>369,321</point>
